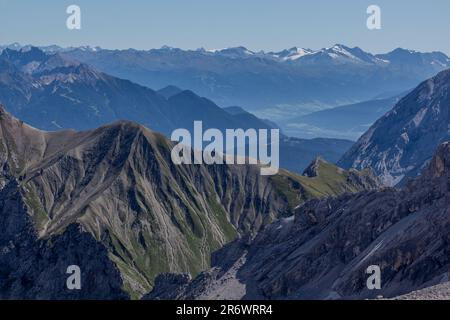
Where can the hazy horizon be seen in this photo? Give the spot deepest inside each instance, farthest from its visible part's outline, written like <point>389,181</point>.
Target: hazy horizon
<point>207,49</point>
<point>266,25</point>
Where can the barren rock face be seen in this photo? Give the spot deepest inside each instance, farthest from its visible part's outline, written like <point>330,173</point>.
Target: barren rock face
<point>437,292</point>
<point>324,250</point>
<point>400,143</point>
<point>119,185</point>
<point>33,268</point>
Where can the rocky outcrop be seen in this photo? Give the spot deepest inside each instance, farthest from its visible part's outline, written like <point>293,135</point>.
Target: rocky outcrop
<point>324,250</point>
<point>169,286</point>
<point>437,292</point>
<point>313,168</point>
<point>33,268</point>
<point>399,145</point>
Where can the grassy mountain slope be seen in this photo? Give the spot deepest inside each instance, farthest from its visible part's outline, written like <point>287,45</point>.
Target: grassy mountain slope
<point>118,182</point>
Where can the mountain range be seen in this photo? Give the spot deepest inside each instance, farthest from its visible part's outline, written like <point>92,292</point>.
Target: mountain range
<point>111,201</point>
<point>108,198</point>
<point>282,86</point>
<point>53,92</point>
<point>294,79</point>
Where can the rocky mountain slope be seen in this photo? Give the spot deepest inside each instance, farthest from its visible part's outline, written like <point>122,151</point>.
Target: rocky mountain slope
<point>115,190</point>
<point>324,250</point>
<point>401,142</point>
<point>437,292</point>
<point>35,268</point>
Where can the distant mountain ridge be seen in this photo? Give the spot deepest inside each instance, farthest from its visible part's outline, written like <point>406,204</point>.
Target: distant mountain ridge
<point>337,52</point>
<point>327,77</point>
<point>54,92</point>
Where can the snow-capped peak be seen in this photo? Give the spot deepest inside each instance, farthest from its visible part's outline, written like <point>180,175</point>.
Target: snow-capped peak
<point>241,49</point>
<point>339,49</point>
<point>93,49</point>
<point>293,53</point>
<point>234,52</point>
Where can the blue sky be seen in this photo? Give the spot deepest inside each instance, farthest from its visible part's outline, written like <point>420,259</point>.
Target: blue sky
<point>256,24</point>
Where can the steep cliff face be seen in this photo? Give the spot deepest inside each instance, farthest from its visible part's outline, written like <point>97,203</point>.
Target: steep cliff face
<point>400,143</point>
<point>119,184</point>
<point>33,268</point>
<point>324,250</point>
